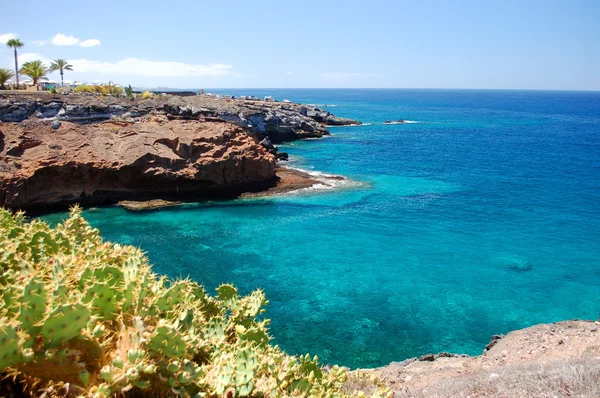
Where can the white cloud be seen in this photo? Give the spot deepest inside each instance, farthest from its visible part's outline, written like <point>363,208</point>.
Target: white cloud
<point>62,40</point>
<point>40,43</point>
<point>6,37</point>
<point>139,67</point>
<point>289,73</point>
<point>347,75</point>
<point>26,57</point>
<point>90,43</point>
<point>143,67</point>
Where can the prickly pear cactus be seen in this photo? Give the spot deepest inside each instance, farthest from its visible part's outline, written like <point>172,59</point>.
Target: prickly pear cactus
<point>84,317</point>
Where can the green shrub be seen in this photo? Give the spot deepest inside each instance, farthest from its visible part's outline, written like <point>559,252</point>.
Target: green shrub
<point>129,92</point>
<point>86,317</point>
<point>115,90</point>
<point>109,89</point>
<point>82,89</point>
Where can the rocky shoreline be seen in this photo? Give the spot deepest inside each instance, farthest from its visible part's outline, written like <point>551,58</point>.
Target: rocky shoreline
<point>60,150</point>
<point>280,121</point>
<point>557,359</point>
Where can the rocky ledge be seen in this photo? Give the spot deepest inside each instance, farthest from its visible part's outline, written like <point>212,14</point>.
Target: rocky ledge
<point>104,162</point>
<point>278,120</point>
<point>560,359</point>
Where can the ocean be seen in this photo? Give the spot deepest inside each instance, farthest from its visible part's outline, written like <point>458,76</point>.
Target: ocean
<point>480,216</point>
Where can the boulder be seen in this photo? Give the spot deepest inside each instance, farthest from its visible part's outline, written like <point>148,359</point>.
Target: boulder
<point>266,143</point>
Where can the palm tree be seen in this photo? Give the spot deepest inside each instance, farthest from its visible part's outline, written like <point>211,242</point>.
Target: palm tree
<point>36,70</point>
<point>62,65</point>
<point>5,74</point>
<point>15,43</point>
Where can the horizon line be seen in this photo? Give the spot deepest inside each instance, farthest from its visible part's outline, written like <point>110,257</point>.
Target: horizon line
<point>368,88</point>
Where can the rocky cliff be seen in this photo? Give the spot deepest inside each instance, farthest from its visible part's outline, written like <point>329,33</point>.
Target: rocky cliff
<point>279,121</point>
<point>104,162</point>
<point>57,150</point>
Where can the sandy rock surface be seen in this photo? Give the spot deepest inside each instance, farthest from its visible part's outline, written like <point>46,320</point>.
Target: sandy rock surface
<point>517,365</point>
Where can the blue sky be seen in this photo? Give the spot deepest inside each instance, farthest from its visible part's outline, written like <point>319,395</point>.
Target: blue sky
<point>525,44</point>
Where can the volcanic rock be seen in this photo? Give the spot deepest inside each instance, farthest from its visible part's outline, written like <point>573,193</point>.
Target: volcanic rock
<point>111,161</point>
<point>279,121</point>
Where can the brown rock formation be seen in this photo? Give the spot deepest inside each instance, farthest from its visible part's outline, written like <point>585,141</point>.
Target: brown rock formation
<point>110,161</point>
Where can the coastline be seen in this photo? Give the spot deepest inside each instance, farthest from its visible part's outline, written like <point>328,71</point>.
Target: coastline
<point>558,359</point>
<point>288,180</point>
<point>61,150</point>
<point>418,373</point>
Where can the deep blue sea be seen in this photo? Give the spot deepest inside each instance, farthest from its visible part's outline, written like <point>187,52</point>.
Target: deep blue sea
<point>481,217</point>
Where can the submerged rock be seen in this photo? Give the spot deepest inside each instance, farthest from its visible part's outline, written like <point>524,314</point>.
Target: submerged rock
<point>147,205</point>
<point>520,266</point>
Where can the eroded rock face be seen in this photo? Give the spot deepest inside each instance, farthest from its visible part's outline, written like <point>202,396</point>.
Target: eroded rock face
<point>279,121</point>
<point>110,161</point>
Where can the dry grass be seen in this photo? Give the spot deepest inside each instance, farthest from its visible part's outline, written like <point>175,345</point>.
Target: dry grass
<point>364,381</point>
<point>566,378</point>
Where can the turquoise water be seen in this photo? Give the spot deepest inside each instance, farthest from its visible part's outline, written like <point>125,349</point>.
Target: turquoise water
<point>481,218</point>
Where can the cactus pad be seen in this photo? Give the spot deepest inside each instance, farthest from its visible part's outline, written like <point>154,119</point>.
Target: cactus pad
<point>167,341</point>
<point>65,323</point>
<point>9,344</point>
<point>33,305</point>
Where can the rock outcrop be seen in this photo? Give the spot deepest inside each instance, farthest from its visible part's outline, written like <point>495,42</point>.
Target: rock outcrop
<point>115,160</point>
<point>56,150</point>
<point>279,121</point>
<point>558,359</point>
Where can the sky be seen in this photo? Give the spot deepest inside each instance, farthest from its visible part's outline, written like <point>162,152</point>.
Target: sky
<point>494,44</point>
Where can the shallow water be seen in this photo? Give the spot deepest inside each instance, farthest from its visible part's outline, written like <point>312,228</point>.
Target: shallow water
<point>480,218</point>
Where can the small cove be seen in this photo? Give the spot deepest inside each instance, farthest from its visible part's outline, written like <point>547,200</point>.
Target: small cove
<point>482,218</point>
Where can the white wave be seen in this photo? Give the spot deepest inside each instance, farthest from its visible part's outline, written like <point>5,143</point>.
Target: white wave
<point>326,182</point>
<point>351,125</point>
<point>404,122</point>
<point>317,138</point>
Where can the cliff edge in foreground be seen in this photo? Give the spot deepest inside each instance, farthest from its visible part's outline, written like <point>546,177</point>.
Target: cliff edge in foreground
<point>560,359</point>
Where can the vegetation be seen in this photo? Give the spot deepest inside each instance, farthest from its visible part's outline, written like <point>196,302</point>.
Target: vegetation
<point>84,317</point>
<point>109,89</point>
<point>36,70</point>
<point>147,95</point>
<point>61,65</point>
<point>14,44</point>
<point>129,92</point>
<point>5,74</point>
